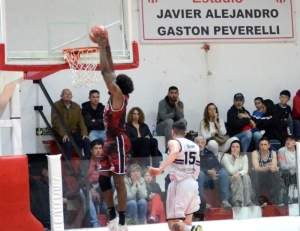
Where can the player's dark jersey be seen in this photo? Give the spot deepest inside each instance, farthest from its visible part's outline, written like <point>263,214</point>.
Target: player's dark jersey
<point>114,120</point>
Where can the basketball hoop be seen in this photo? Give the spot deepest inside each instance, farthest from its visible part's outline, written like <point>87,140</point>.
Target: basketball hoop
<point>83,62</point>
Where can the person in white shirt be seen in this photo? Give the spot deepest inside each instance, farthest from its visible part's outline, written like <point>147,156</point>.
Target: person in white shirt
<point>236,164</point>
<point>212,124</point>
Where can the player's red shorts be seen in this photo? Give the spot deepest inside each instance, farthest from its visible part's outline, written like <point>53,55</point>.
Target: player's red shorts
<point>115,154</point>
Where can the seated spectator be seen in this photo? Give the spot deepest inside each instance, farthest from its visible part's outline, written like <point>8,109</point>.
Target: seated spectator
<point>155,205</point>
<point>285,112</point>
<point>236,164</point>
<point>296,114</point>
<point>211,170</point>
<point>258,112</point>
<point>265,174</point>
<point>136,206</point>
<point>170,110</point>
<point>270,122</point>
<point>240,124</point>
<point>287,163</point>
<point>143,144</point>
<point>70,112</point>
<point>88,174</point>
<point>92,112</point>
<point>210,125</point>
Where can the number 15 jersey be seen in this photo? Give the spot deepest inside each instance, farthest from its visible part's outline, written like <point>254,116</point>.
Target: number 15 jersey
<point>187,163</point>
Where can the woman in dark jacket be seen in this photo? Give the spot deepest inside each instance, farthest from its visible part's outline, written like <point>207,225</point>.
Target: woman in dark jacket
<point>270,122</point>
<point>143,145</point>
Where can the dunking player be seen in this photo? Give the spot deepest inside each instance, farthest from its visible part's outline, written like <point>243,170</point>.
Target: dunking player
<point>117,144</point>
<point>182,196</point>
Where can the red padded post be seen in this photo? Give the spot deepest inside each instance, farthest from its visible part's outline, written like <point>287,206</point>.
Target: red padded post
<point>15,211</point>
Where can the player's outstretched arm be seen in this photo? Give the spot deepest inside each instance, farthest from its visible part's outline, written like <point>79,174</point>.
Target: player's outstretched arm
<point>174,148</point>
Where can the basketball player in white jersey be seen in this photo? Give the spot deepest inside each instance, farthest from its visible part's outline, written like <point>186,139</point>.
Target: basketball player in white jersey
<point>182,197</point>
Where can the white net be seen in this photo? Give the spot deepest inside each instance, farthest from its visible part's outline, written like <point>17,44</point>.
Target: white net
<point>83,63</point>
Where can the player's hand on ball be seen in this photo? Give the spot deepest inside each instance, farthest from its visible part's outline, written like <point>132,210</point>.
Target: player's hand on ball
<point>154,171</point>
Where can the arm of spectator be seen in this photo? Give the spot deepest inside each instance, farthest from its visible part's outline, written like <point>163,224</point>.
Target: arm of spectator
<point>82,127</point>
<point>55,123</point>
<point>206,134</point>
<point>142,190</point>
<point>255,163</point>
<point>245,165</point>
<point>148,132</point>
<point>274,164</point>
<point>283,161</point>
<point>235,122</point>
<point>179,110</point>
<point>227,165</point>
<point>130,189</point>
<point>164,113</point>
<point>222,130</point>
<point>87,119</point>
<point>130,133</point>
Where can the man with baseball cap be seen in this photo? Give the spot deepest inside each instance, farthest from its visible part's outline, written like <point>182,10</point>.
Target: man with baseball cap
<point>240,124</point>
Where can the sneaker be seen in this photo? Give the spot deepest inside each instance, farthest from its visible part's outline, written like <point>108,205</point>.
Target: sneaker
<point>225,204</point>
<point>113,224</point>
<point>152,219</point>
<point>208,206</point>
<point>279,204</point>
<point>122,228</point>
<point>197,228</point>
<point>263,201</point>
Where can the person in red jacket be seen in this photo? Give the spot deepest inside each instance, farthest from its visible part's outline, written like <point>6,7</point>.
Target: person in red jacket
<point>296,114</point>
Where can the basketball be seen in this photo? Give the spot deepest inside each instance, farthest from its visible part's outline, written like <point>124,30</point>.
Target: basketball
<point>98,31</point>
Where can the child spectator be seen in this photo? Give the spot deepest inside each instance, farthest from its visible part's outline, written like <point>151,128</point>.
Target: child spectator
<point>285,111</point>
<point>258,103</point>
<point>155,204</point>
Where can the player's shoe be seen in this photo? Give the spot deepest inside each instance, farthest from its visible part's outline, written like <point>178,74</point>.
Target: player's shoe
<point>114,224</point>
<point>122,228</point>
<point>197,228</point>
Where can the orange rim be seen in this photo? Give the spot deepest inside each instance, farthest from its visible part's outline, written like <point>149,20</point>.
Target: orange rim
<point>74,53</point>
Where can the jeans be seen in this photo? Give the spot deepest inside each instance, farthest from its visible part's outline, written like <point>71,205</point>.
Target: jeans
<point>256,136</point>
<point>245,139</point>
<point>137,209</point>
<point>223,182</point>
<point>297,128</point>
<point>97,134</point>
<point>93,211</point>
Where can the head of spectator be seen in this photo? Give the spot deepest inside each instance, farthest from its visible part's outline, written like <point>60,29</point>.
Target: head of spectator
<point>264,144</point>
<point>210,114</point>
<point>284,97</point>
<point>201,142</point>
<point>125,84</point>
<point>235,148</point>
<point>136,115</point>
<point>173,94</point>
<point>94,97</point>
<point>134,171</point>
<point>290,142</point>
<point>147,176</point>
<point>238,100</point>
<point>258,103</point>
<point>268,108</point>
<point>178,129</point>
<point>66,96</point>
<point>96,148</point>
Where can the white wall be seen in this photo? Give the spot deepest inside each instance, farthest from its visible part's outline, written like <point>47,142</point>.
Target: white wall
<point>255,69</point>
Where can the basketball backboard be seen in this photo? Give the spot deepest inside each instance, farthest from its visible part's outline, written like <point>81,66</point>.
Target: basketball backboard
<point>34,33</point>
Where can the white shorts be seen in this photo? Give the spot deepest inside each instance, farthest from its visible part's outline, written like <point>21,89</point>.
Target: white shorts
<point>182,198</point>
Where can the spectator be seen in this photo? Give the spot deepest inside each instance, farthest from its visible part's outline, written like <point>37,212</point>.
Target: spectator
<point>211,170</point>
<point>236,164</point>
<point>70,113</point>
<point>287,163</point>
<point>210,125</point>
<point>258,112</point>
<point>155,205</point>
<point>296,114</point>
<point>240,124</point>
<point>170,110</point>
<point>136,206</point>
<point>92,112</point>
<point>270,122</point>
<point>89,174</point>
<point>143,145</point>
<point>265,174</point>
<point>285,111</point>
